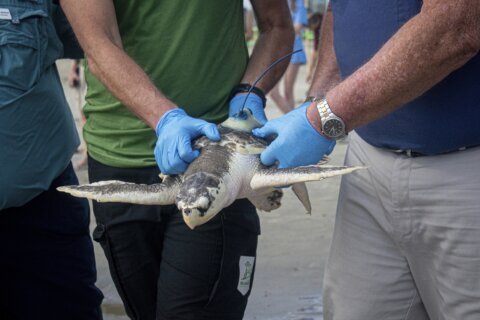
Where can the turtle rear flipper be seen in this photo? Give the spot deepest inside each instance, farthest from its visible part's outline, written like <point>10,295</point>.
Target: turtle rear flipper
<point>300,190</point>
<point>272,200</point>
<point>273,177</point>
<point>267,202</point>
<point>119,191</point>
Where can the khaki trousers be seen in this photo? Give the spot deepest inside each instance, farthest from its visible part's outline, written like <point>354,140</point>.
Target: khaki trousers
<point>406,242</point>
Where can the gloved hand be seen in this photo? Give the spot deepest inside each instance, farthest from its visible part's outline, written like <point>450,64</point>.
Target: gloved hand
<point>254,103</point>
<point>175,132</point>
<point>297,142</point>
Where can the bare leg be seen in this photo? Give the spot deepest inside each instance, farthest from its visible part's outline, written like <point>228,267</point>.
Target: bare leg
<point>289,83</point>
<point>279,100</point>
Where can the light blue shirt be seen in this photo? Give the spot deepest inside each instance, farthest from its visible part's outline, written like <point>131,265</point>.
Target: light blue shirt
<point>37,131</point>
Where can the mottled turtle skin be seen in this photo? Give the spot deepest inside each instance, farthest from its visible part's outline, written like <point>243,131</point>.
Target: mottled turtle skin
<point>226,170</point>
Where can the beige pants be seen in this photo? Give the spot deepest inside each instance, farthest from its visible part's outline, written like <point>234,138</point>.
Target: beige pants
<point>406,243</point>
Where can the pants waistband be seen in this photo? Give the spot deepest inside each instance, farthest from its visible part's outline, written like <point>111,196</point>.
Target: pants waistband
<point>413,154</point>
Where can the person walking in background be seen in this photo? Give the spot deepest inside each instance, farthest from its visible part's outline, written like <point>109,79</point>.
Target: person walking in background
<point>286,102</point>
<point>47,268</point>
<point>314,24</point>
<point>75,82</point>
<point>406,240</point>
<point>197,73</point>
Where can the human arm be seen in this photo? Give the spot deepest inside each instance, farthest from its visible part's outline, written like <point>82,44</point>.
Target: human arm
<point>95,26</point>
<point>426,49</point>
<point>275,40</point>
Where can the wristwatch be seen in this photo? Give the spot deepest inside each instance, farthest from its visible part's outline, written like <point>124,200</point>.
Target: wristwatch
<point>333,126</point>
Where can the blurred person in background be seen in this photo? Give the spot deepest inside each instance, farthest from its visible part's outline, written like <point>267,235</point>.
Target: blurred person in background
<point>286,102</point>
<point>314,24</point>
<point>248,19</point>
<point>75,82</point>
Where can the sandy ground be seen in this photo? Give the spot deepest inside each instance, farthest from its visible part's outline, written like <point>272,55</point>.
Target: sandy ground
<point>292,249</point>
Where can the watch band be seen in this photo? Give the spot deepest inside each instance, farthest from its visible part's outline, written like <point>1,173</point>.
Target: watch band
<point>323,110</point>
<point>245,87</point>
<point>326,115</point>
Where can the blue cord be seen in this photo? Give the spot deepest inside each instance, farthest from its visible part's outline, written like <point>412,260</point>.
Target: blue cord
<point>261,76</point>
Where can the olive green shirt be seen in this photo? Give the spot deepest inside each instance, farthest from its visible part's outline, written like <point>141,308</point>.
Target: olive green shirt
<point>195,53</point>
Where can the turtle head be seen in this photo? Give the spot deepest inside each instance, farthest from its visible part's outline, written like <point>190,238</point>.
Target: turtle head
<point>200,198</point>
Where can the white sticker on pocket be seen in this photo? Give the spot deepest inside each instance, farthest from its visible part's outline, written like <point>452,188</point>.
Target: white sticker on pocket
<point>5,14</point>
<point>246,270</point>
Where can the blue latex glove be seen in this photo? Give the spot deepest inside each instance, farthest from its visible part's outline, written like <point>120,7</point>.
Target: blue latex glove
<point>297,142</point>
<point>175,132</point>
<point>254,103</point>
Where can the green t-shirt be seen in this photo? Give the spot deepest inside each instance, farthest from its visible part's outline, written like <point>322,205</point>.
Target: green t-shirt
<point>195,53</point>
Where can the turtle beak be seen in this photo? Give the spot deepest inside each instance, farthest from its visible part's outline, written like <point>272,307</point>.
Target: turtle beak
<point>194,217</point>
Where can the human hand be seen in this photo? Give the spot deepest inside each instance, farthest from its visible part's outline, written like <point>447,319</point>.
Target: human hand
<point>297,142</point>
<point>175,132</point>
<point>254,103</point>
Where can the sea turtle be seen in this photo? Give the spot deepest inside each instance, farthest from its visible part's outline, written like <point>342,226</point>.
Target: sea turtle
<point>226,170</point>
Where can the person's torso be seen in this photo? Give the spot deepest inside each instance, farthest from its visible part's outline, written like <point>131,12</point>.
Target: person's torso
<point>443,119</point>
<point>37,132</point>
<point>194,52</point>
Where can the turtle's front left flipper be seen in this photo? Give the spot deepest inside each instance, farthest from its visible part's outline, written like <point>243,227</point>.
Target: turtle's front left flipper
<point>119,191</point>
<point>272,177</point>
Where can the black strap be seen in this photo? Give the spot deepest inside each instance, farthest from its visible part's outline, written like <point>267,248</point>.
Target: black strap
<point>245,87</point>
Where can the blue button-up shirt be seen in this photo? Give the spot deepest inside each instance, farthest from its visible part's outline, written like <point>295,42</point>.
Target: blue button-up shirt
<point>37,131</point>
<point>443,119</point>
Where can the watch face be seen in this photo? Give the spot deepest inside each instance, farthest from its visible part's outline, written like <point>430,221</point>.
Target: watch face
<point>333,128</point>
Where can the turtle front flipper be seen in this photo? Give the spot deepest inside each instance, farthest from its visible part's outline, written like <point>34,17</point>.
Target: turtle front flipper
<point>273,177</point>
<point>119,191</point>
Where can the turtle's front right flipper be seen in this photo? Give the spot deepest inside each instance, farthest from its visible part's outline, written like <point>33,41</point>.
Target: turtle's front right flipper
<point>119,191</point>
<point>272,177</point>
